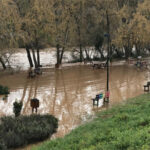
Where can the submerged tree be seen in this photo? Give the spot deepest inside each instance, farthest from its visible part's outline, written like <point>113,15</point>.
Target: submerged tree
<point>35,28</point>
<point>62,25</point>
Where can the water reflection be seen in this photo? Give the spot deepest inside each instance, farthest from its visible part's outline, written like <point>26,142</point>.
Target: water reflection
<point>67,93</point>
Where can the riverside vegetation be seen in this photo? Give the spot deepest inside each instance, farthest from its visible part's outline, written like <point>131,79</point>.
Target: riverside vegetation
<point>22,130</point>
<point>4,90</point>
<point>17,106</point>
<point>125,126</point>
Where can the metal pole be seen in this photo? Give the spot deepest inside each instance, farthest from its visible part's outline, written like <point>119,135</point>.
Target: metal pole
<point>108,54</point>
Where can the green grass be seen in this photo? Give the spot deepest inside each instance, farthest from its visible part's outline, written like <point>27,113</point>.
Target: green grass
<point>123,127</point>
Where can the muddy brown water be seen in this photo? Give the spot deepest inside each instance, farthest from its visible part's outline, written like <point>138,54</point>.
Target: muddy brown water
<point>66,93</point>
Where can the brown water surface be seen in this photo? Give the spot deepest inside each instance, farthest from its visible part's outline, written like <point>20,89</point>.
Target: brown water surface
<point>67,93</point>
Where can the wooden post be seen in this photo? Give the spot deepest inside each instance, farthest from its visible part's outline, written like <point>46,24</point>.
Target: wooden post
<point>108,52</point>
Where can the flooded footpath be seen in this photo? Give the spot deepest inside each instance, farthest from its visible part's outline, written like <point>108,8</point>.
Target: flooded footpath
<point>66,93</point>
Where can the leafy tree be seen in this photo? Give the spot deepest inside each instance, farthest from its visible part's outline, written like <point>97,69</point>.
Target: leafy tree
<point>9,29</point>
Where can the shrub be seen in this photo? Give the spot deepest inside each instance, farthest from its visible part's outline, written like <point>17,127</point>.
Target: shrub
<point>20,131</point>
<point>4,90</point>
<point>17,106</point>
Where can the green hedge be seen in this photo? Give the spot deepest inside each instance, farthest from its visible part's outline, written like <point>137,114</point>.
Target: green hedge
<point>4,90</point>
<point>20,131</point>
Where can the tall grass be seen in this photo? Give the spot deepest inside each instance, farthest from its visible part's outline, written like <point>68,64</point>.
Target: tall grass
<point>123,127</point>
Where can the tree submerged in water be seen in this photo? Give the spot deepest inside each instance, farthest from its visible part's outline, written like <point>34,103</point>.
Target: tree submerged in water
<point>17,106</point>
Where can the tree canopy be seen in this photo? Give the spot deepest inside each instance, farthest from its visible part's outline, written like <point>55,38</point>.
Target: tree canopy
<point>74,23</point>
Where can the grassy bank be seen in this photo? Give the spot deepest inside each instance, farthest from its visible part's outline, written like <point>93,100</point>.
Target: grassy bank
<point>122,127</point>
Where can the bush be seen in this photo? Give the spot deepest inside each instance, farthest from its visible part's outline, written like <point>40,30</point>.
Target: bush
<point>17,106</point>
<point>4,90</point>
<point>20,131</point>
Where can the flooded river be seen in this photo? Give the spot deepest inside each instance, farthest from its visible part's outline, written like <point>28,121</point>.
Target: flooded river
<point>66,93</point>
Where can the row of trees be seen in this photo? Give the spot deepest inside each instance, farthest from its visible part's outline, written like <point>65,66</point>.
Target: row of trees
<point>64,24</point>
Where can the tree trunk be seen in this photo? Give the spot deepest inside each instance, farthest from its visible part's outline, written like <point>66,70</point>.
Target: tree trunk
<point>118,53</point>
<point>34,58</point>
<point>2,62</point>
<point>80,45</point>
<point>138,53</point>
<point>111,51</point>
<point>100,51</point>
<point>61,56</point>
<point>65,42</point>
<point>126,52</point>
<point>81,56</point>
<point>58,55</point>
<point>29,57</point>
<point>87,55</point>
<point>38,57</point>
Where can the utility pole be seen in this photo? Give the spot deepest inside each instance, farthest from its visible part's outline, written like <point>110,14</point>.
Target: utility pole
<point>107,95</point>
<point>108,55</point>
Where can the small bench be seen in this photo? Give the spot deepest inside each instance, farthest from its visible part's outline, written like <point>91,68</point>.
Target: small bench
<point>141,64</point>
<point>99,65</point>
<point>144,64</point>
<point>146,87</point>
<point>131,60</point>
<point>96,99</point>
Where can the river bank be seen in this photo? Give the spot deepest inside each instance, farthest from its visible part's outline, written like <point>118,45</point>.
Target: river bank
<point>124,126</point>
